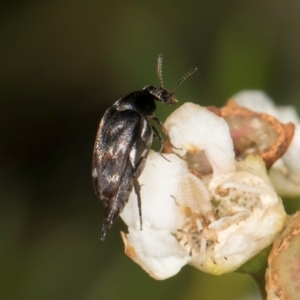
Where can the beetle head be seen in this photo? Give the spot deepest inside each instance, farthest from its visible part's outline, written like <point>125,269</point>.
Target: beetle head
<point>160,93</point>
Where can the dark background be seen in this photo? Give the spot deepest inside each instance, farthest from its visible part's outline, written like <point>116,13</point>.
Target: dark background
<point>63,63</point>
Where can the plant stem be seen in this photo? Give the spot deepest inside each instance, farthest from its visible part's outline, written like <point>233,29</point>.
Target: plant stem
<point>261,283</point>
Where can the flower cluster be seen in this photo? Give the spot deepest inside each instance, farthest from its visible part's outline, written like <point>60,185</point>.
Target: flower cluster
<point>208,201</point>
<point>285,173</point>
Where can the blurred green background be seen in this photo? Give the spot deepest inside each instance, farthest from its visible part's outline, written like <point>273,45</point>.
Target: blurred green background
<point>63,63</point>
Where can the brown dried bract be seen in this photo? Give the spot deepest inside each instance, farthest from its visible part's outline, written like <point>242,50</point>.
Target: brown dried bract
<point>196,160</point>
<point>283,273</point>
<point>215,110</point>
<point>257,133</point>
<point>198,164</point>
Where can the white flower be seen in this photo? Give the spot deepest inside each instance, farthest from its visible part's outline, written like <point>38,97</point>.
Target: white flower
<point>156,248</point>
<point>214,221</point>
<point>285,173</point>
<point>159,180</point>
<point>259,101</point>
<point>193,128</point>
<point>156,251</point>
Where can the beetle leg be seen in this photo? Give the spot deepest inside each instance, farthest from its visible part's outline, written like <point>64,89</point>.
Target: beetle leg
<point>137,189</point>
<point>161,124</point>
<point>161,140</point>
<point>159,137</point>
<point>165,132</point>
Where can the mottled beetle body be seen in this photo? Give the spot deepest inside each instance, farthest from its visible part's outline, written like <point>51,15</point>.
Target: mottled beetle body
<point>122,144</point>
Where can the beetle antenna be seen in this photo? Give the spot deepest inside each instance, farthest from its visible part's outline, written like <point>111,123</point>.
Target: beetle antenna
<point>159,69</point>
<point>188,74</point>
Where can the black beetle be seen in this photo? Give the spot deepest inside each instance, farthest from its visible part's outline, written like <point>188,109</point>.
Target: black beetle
<point>122,145</point>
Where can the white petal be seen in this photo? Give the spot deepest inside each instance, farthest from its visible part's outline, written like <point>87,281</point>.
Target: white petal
<point>251,214</point>
<point>240,239</point>
<point>193,128</point>
<point>257,101</point>
<point>292,156</point>
<point>285,173</point>
<point>157,252</point>
<point>160,181</point>
<point>287,114</point>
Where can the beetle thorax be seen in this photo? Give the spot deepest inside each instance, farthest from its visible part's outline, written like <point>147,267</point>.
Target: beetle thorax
<point>140,101</point>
